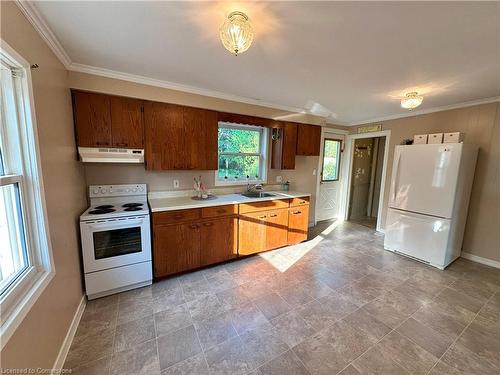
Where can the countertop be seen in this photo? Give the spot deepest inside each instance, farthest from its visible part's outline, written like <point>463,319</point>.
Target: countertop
<point>159,203</point>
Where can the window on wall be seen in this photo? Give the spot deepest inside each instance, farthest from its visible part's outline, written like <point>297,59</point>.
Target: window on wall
<point>25,256</point>
<point>242,154</point>
<point>331,160</point>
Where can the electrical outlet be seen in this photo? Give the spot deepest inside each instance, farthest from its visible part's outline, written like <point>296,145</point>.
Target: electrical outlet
<point>176,184</point>
<point>279,179</point>
<point>314,172</point>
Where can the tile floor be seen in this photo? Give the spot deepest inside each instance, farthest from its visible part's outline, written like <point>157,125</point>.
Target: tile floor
<point>338,304</point>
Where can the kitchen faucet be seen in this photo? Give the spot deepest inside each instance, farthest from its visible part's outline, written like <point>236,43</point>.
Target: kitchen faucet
<point>251,187</point>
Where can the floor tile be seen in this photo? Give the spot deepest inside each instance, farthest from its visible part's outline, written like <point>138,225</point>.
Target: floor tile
<point>196,290</point>
<point>134,309</point>
<point>296,295</point>
<point>89,348</point>
<point>215,330</point>
<point>292,328</point>
<point>442,320</point>
<point>167,298</point>
<point>205,307</point>
<point>272,305</point>
<point>287,363</point>
<point>233,298</point>
<point>363,321</point>
<point>96,319</point>
<point>247,317</point>
<point>97,367</point>
<point>431,340</point>
<point>135,295</point>
<point>406,354</point>
<point>178,346</point>
<point>130,334</point>
<point>464,361</point>
<point>262,345</point>
<point>172,319</point>
<point>196,365</point>
<point>385,313</point>
<point>376,362</point>
<point>139,360</point>
<point>483,342</point>
<point>228,358</point>
<point>165,285</point>
<point>462,306</point>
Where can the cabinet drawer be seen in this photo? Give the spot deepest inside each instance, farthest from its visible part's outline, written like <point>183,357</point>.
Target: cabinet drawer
<point>263,206</point>
<point>172,217</point>
<point>302,201</point>
<point>229,209</point>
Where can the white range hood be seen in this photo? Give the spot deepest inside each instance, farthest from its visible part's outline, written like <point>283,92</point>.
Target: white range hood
<point>110,155</point>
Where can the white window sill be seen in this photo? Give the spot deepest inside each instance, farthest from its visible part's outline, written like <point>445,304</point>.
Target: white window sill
<point>239,183</point>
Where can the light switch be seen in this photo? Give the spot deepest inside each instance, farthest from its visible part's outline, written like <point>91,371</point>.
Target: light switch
<point>314,172</point>
<point>176,184</point>
<point>279,179</point>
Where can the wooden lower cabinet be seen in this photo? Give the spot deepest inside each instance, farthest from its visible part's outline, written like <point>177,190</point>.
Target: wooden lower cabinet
<point>252,233</point>
<point>219,240</point>
<point>176,248</point>
<point>261,231</point>
<point>298,221</point>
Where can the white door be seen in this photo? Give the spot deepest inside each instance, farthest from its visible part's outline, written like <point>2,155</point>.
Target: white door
<point>424,178</point>
<point>332,145</point>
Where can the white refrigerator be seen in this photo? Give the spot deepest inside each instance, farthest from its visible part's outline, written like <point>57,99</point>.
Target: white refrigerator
<point>428,201</point>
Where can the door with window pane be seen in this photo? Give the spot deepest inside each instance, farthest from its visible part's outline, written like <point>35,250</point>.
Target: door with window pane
<point>329,190</point>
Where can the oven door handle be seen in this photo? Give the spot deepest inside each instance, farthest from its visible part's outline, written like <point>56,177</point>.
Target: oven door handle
<point>108,224</point>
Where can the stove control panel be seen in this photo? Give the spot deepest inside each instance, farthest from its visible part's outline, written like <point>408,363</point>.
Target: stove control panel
<point>101,191</point>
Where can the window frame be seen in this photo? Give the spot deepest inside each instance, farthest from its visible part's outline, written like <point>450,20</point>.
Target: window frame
<point>25,170</point>
<point>263,157</point>
<point>338,160</point>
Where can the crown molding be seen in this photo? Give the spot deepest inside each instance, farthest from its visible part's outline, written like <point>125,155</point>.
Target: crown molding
<point>429,110</point>
<point>81,68</point>
<point>34,17</point>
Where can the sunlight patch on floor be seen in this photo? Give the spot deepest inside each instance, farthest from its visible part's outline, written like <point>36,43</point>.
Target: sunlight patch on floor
<point>283,259</point>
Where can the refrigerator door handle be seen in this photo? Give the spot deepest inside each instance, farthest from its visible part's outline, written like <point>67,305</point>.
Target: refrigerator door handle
<point>396,178</point>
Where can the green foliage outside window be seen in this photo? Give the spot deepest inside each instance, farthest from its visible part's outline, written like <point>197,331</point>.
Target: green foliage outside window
<point>331,160</point>
<point>239,154</point>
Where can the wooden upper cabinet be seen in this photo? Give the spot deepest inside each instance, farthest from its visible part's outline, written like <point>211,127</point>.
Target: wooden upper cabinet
<point>201,127</point>
<point>164,136</point>
<point>179,137</point>
<point>284,147</point>
<point>127,122</point>
<point>92,116</point>
<point>308,140</point>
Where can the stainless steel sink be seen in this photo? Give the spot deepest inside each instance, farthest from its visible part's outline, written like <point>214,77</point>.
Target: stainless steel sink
<point>257,194</point>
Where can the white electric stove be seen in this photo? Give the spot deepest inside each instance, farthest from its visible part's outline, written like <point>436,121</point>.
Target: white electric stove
<point>116,239</point>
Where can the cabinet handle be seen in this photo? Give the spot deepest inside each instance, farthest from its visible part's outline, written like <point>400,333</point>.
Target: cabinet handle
<point>208,224</point>
<point>273,215</point>
<point>296,212</point>
<point>122,144</point>
<point>262,217</point>
<point>193,226</point>
<point>302,202</point>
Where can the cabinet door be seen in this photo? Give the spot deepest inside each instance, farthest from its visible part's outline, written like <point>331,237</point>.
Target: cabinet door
<point>252,233</point>
<point>201,129</point>
<point>219,240</point>
<point>92,116</point>
<point>176,248</point>
<point>276,229</point>
<point>289,145</point>
<point>308,140</point>
<point>127,122</point>
<point>164,136</point>
<point>298,221</point>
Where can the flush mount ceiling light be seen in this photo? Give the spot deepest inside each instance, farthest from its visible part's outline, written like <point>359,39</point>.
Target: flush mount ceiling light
<point>411,100</point>
<point>236,33</point>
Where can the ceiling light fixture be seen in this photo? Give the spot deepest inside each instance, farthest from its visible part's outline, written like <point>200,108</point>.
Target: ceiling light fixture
<point>236,33</point>
<point>411,100</point>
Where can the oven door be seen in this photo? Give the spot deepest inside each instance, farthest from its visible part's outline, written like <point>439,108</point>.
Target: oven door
<point>115,242</point>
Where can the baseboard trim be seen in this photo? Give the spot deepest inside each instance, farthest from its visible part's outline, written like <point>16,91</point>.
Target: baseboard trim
<point>478,259</point>
<point>63,352</point>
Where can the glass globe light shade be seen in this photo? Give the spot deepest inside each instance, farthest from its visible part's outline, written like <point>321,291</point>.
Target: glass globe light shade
<point>411,100</point>
<point>236,33</point>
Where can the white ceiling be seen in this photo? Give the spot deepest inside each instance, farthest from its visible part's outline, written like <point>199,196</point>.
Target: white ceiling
<point>354,59</point>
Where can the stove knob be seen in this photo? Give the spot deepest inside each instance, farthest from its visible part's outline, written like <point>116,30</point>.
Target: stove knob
<point>128,190</point>
<point>134,190</point>
<point>110,190</point>
<point>103,190</point>
<point>141,189</point>
<point>96,191</point>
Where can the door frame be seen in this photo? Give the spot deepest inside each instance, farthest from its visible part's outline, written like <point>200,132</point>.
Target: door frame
<point>346,183</point>
<point>327,132</point>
